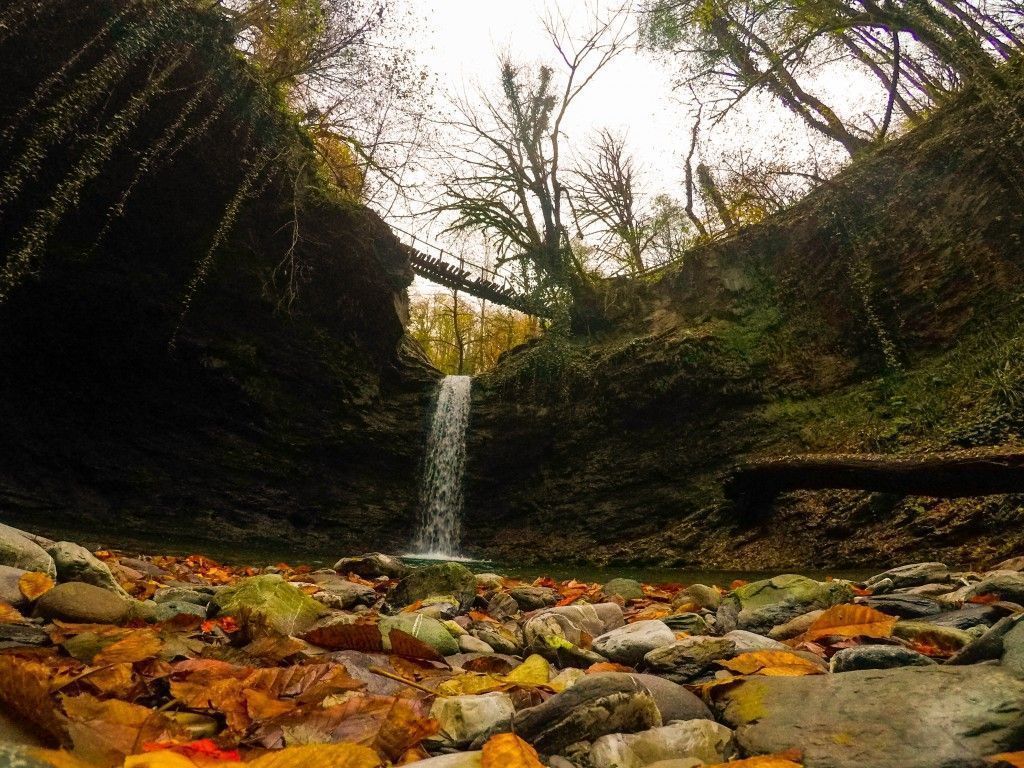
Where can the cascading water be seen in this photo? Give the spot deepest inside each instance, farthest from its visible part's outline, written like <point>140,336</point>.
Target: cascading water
<point>440,528</point>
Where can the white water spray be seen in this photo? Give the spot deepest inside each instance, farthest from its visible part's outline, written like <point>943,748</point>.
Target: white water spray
<point>440,530</point>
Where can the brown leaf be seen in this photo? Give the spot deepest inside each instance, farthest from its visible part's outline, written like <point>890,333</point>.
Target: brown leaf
<point>404,644</point>
<point>850,621</point>
<point>347,637</point>
<point>25,689</point>
<point>113,680</point>
<point>406,725</point>
<point>137,645</point>
<point>34,585</point>
<point>506,750</point>
<point>772,664</point>
<point>104,732</point>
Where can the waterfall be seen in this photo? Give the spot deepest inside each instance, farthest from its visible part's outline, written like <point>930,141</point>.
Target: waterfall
<point>440,530</point>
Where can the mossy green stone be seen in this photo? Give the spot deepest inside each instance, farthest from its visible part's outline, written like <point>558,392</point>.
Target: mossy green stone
<point>627,589</point>
<point>269,603</point>
<point>790,588</point>
<point>423,628</point>
<point>440,580</point>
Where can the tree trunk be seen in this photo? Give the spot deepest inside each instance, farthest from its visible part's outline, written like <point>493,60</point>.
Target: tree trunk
<point>978,472</point>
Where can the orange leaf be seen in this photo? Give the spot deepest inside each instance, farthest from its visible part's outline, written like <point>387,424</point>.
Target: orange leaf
<point>787,759</point>
<point>772,664</point>
<point>34,585</point>
<point>608,666</point>
<point>25,688</point>
<point>986,599</point>
<point>104,732</point>
<point>506,750</point>
<point>140,645</point>
<point>850,621</point>
<point>9,614</point>
<point>319,756</point>
<point>1013,759</point>
<point>406,725</point>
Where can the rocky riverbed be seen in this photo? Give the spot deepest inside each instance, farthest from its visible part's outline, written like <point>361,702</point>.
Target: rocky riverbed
<point>175,662</point>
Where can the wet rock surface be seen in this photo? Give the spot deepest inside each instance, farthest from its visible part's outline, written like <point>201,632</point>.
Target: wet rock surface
<point>928,672</point>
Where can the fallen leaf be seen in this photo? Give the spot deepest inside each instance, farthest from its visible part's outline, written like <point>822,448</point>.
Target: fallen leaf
<point>535,670</point>
<point>404,644</point>
<point>607,666</point>
<point>105,732</point>
<point>772,664</point>
<point>1012,759</point>
<point>10,615</point>
<point>347,637</point>
<point>406,725</point>
<point>320,756</point>
<point>200,748</point>
<point>506,750</point>
<point>788,759</point>
<point>34,585</point>
<point>25,689</point>
<point>138,645</point>
<point>850,621</point>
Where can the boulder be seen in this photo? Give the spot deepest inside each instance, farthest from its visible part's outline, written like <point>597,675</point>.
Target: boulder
<point>470,644</point>
<point>685,659</point>
<point>436,582</point>
<point>83,603</point>
<point>629,644</point>
<point>932,634</point>
<point>500,638</point>
<point>182,595</point>
<point>967,617</point>
<point>595,706</point>
<point>269,603</point>
<point>168,609</point>
<point>988,646</point>
<point>10,592</point>
<point>1007,585</point>
<point>794,627</point>
<point>1013,650</point>
<point>489,580</point>
<point>17,551</point>
<point>627,589</point>
<point>75,563</point>
<point>534,598</point>
<point>15,635</point>
<point>502,606</point>
<point>423,628</point>
<point>703,596</point>
<point>701,739</point>
<point>18,755</point>
<point>913,575</point>
<point>373,565</point>
<point>464,719</point>
<point>750,641</point>
<point>691,623</point>
<point>790,588</point>
<point>904,606</point>
<point>571,623</point>
<point>877,657</point>
<point>914,717</point>
<point>344,594</point>
<point>1013,564</point>
<point>673,700</point>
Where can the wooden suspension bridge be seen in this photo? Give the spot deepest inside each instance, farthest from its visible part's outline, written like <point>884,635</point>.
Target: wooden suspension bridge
<point>438,266</point>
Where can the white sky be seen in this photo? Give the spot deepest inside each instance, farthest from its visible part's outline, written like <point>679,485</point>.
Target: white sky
<point>461,40</point>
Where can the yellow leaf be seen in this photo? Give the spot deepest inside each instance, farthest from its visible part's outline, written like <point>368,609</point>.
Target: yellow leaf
<point>469,684</point>
<point>534,671</point>
<point>506,750</point>
<point>57,759</point>
<point>320,756</point>
<point>139,645</point>
<point>34,585</point>
<point>162,759</point>
<point>850,621</point>
<point>772,664</point>
<point>1013,759</point>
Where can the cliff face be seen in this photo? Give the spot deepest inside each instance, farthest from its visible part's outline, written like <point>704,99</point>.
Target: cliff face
<point>271,419</point>
<point>880,314</point>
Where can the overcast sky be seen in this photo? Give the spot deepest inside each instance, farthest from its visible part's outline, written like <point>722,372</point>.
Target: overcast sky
<point>461,40</point>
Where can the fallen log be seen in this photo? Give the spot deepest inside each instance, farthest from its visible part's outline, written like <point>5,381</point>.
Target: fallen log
<point>975,472</point>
